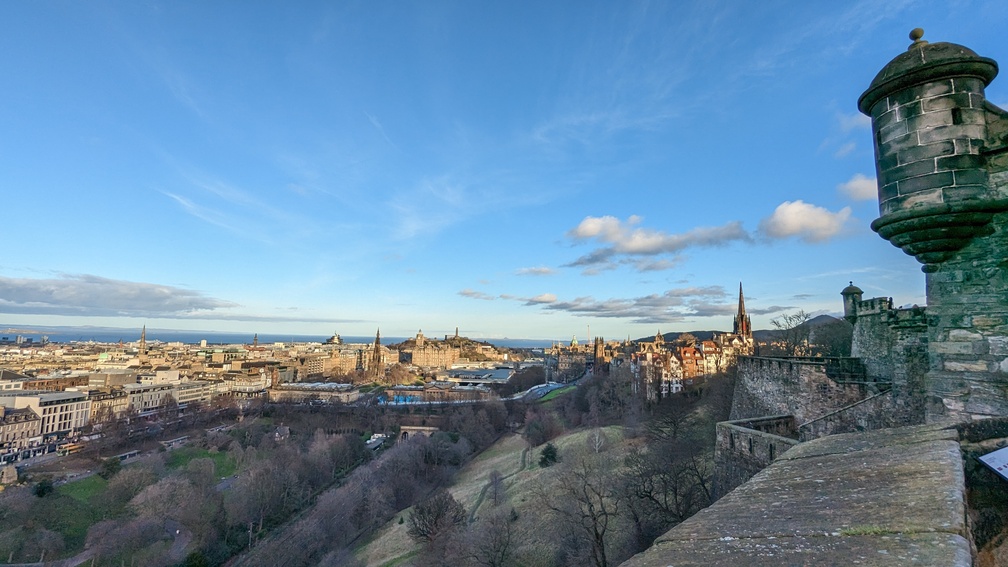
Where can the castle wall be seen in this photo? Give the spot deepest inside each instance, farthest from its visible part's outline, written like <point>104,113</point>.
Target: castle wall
<point>893,345</point>
<point>744,448</point>
<point>800,387</point>
<point>968,334</point>
<point>872,339</point>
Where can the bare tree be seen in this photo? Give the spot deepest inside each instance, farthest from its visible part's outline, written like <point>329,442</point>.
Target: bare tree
<point>687,340</point>
<point>586,499</point>
<point>673,478</point>
<point>490,541</point>
<point>435,516</point>
<point>792,333</point>
<point>597,440</point>
<point>496,491</point>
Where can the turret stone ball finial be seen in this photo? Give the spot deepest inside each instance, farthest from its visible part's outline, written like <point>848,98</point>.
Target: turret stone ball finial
<point>916,34</point>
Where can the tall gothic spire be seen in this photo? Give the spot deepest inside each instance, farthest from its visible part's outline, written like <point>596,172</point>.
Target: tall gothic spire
<point>743,325</point>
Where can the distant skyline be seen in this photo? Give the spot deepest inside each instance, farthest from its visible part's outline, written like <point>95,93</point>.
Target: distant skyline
<point>513,170</point>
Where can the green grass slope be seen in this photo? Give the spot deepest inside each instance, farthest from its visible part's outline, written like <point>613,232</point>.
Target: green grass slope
<point>536,532</point>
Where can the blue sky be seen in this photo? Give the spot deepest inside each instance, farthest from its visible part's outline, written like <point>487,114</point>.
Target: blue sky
<point>518,170</point>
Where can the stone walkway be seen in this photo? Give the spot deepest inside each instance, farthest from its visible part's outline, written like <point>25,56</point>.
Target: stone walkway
<point>889,497</point>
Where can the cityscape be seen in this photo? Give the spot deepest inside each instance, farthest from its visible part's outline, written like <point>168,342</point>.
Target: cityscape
<point>450,284</point>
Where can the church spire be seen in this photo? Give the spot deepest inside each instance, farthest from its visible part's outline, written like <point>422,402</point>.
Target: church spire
<point>743,325</point>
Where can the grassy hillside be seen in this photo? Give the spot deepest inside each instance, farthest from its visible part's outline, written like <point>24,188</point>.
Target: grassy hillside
<point>536,533</point>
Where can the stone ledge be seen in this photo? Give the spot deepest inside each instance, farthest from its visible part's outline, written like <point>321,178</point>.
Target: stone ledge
<point>895,550</point>
<point>888,497</point>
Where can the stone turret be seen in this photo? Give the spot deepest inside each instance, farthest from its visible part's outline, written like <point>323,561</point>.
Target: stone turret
<point>929,116</point>
<point>941,154</point>
<point>851,298</point>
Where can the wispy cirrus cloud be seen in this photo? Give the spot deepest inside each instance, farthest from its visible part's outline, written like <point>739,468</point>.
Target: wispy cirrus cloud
<point>473,294</point>
<point>804,221</point>
<point>86,295</point>
<point>860,188</point>
<point>625,243</point>
<point>853,121</point>
<point>671,306</point>
<point>845,150</point>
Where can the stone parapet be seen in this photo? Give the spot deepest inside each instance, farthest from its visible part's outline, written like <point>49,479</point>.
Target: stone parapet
<point>884,498</point>
<point>745,447</point>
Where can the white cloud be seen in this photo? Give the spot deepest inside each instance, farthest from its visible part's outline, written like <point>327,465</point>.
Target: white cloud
<point>537,271</point>
<point>805,221</point>
<point>89,295</point>
<point>853,121</point>
<point>624,239</point>
<point>860,188</point>
<point>845,150</point>
<point>542,299</point>
<point>473,294</point>
<point>673,305</point>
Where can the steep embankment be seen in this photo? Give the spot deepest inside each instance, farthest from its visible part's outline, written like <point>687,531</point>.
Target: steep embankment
<point>535,533</point>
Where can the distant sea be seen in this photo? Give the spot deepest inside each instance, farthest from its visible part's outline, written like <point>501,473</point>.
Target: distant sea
<point>114,335</point>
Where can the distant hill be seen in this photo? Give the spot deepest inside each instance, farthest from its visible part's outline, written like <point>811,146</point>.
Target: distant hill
<point>761,335</point>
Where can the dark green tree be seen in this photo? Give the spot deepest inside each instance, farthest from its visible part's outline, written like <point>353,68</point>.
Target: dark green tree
<point>549,455</point>
<point>43,488</point>
<point>110,467</point>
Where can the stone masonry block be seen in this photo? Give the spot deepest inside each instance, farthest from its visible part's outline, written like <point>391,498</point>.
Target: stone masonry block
<point>973,116</point>
<point>951,348</point>
<point>971,177</point>
<point>929,120</point>
<point>888,191</point>
<point>962,335</point>
<point>904,142</point>
<point>947,102</point>
<point>903,97</point>
<point>962,161</point>
<point>965,146</point>
<point>910,110</point>
<point>961,193</point>
<point>937,88</point>
<point>925,182</point>
<point>886,162</point>
<point>932,197</point>
<point>892,131</point>
<point>998,345</point>
<point>913,169</point>
<point>921,152</point>
<point>988,322</point>
<point>967,85</point>
<point>938,133</point>
<point>886,118</point>
<point>949,276</point>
